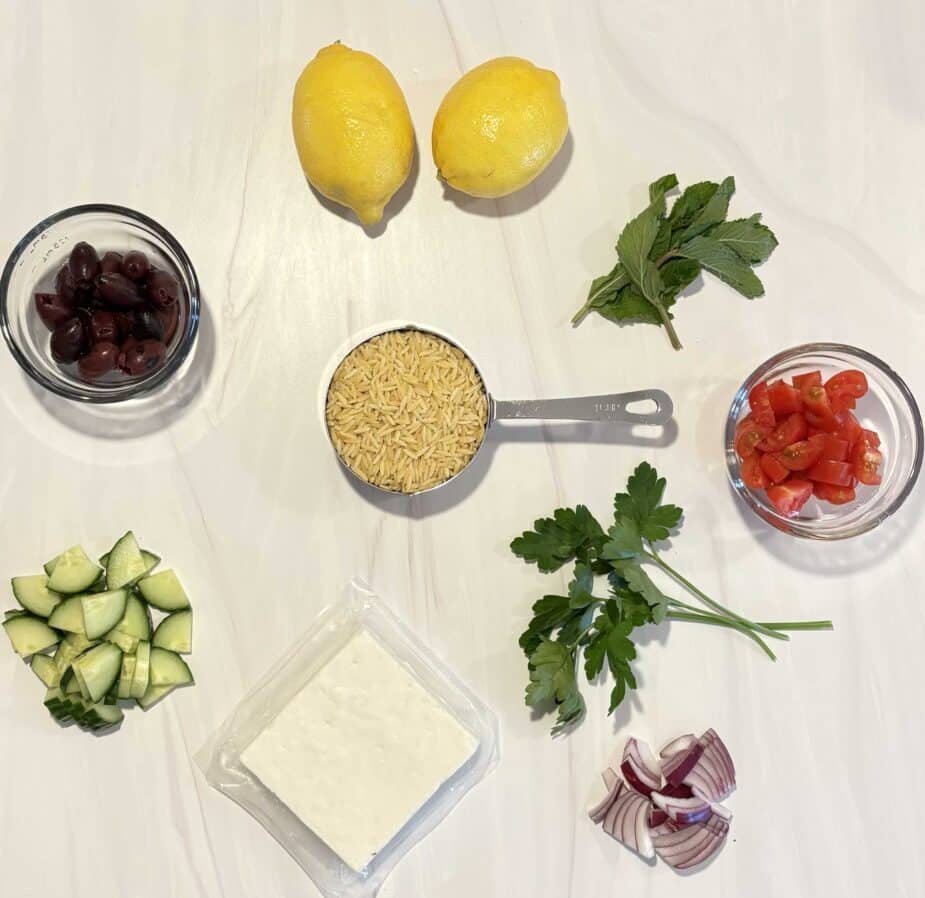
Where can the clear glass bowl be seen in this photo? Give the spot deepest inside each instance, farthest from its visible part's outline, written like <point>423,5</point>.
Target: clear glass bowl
<point>889,408</point>
<point>36,259</point>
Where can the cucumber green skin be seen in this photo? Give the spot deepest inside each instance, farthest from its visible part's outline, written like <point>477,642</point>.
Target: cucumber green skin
<point>175,632</point>
<point>34,595</point>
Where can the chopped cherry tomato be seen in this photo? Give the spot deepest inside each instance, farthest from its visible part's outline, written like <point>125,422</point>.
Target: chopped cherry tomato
<point>846,384</point>
<point>867,459</point>
<point>785,399</point>
<point>837,495</point>
<point>842,403</point>
<point>752,474</point>
<point>788,498</point>
<point>802,455</point>
<point>812,379</point>
<point>838,473</point>
<point>813,431</point>
<point>748,435</point>
<point>761,406</point>
<point>818,408</point>
<point>872,437</point>
<point>773,468</point>
<point>834,448</point>
<point>848,428</point>
<point>790,430</point>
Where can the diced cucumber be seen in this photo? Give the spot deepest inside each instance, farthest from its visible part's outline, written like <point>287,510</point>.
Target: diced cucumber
<point>175,632</point>
<point>108,716</point>
<point>142,670</point>
<point>154,694</point>
<point>135,622</point>
<point>125,642</point>
<point>73,572</point>
<point>102,611</point>
<point>33,594</point>
<point>69,615</point>
<point>125,678</point>
<point>150,559</point>
<point>168,669</point>
<point>164,591</point>
<point>97,669</point>
<point>79,642</point>
<point>57,705</point>
<point>46,670</point>
<point>69,683</point>
<point>125,565</point>
<point>29,634</point>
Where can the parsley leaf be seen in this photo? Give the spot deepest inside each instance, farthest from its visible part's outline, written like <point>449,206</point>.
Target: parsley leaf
<point>661,252</point>
<point>569,533</point>
<point>639,582</point>
<point>552,679</point>
<point>642,504</point>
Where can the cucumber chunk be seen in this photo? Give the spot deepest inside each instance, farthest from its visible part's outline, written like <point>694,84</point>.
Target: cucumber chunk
<point>141,672</point>
<point>124,689</point>
<point>175,632</point>
<point>102,611</point>
<point>164,591</point>
<point>29,634</point>
<point>125,565</point>
<point>79,642</point>
<point>73,572</point>
<point>69,683</point>
<point>107,716</point>
<point>69,615</point>
<point>46,670</point>
<point>128,644</point>
<point>33,594</point>
<point>154,694</point>
<point>97,669</point>
<point>135,622</point>
<point>150,559</point>
<point>168,669</point>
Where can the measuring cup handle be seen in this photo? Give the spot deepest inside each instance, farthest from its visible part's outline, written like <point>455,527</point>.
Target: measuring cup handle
<point>611,407</point>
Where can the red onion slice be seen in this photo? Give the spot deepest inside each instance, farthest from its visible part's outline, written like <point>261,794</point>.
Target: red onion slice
<point>682,743</point>
<point>640,768</point>
<point>656,818</point>
<point>679,765</point>
<point>692,845</point>
<point>683,810</point>
<point>682,790</point>
<point>609,776</point>
<point>599,811</point>
<point>628,822</point>
<point>722,811</point>
<point>712,776</point>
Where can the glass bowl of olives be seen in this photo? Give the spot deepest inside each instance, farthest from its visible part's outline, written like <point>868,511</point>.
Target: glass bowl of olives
<point>99,303</point>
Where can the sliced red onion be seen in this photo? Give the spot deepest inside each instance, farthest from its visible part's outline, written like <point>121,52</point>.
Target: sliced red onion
<point>682,743</point>
<point>656,818</point>
<point>640,768</point>
<point>599,811</point>
<point>722,811</point>
<point>609,776</point>
<point>683,810</point>
<point>663,827</point>
<point>691,845</point>
<point>680,791</point>
<point>628,822</point>
<point>679,765</point>
<point>712,776</point>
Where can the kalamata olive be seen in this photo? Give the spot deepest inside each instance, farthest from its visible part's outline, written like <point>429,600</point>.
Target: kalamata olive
<point>148,326</point>
<point>103,327</point>
<point>117,290</point>
<point>84,264</point>
<point>68,341</point>
<point>163,289</point>
<point>143,358</point>
<point>53,309</point>
<point>135,265</point>
<point>125,321</point>
<point>100,360</point>
<point>111,262</point>
<point>65,285</point>
<point>170,318</point>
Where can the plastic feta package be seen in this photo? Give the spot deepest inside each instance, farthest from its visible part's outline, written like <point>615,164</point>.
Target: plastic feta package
<point>353,747</point>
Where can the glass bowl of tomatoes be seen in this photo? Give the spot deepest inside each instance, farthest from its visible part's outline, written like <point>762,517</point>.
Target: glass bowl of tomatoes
<point>824,441</point>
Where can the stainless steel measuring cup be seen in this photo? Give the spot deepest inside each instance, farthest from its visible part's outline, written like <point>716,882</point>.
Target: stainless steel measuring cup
<point>608,408</point>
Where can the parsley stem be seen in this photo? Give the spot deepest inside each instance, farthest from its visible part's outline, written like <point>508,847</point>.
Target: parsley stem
<point>716,621</point>
<point>799,625</point>
<point>668,569</point>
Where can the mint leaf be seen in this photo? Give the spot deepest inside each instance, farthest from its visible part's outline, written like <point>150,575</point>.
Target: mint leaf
<point>725,263</point>
<point>605,288</point>
<point>630,305</point>
<point>713,212</point>
<point>750,240</point>
<point>677,275</point>
<point>569,533</point>
<point>661,186</point>
<point>690,203</point>
<point>662,241</point>
<point>625,540</point>
<point>552,679</point>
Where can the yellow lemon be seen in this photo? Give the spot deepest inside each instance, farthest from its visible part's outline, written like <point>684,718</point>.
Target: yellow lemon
<point>352,130</point>
<point>498,127</point>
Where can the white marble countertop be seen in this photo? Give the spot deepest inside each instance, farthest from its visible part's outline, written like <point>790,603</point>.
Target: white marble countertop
<point>181,109</point>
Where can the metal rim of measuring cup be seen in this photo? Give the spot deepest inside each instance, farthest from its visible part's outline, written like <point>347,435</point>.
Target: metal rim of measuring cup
<point>489,411</point>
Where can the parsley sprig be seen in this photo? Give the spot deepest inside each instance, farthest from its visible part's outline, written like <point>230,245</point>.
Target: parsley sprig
<point>662,252</point>
<point>564,629</point>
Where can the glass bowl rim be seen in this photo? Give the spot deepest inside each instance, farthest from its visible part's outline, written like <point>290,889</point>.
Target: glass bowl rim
<point>119,394</point>
<point>760,373</point>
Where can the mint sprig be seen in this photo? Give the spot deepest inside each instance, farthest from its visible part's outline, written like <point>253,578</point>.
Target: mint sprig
<point>662,251</point>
